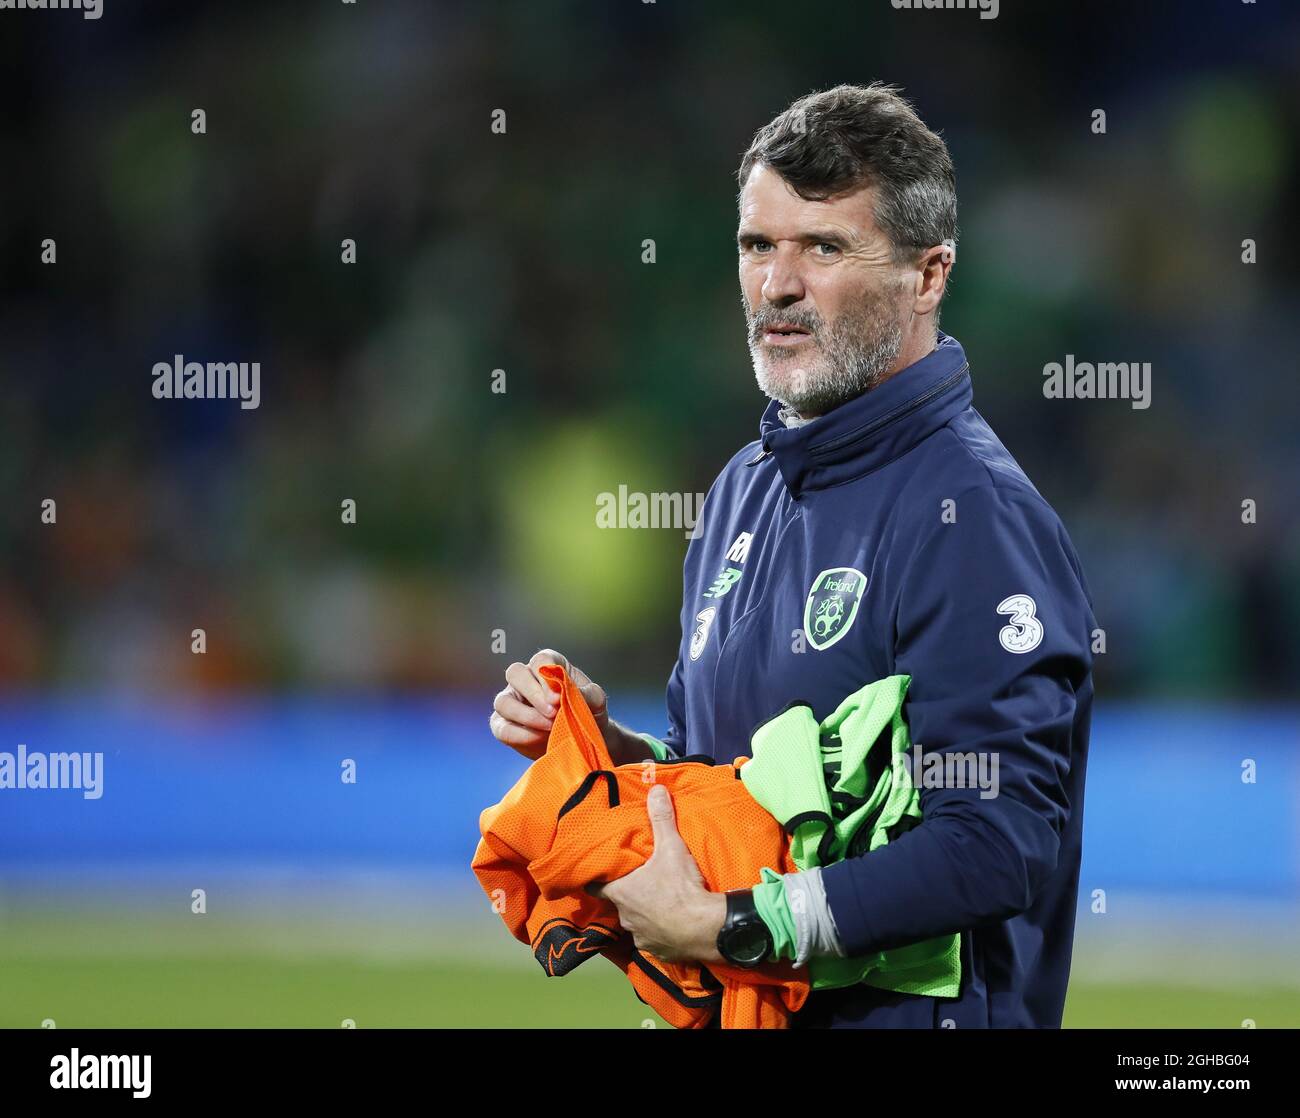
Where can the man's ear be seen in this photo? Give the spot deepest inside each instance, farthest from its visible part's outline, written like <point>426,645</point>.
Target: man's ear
<point>932,276</point>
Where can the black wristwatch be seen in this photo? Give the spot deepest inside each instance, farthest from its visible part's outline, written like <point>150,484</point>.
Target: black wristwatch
<point>744,940</point>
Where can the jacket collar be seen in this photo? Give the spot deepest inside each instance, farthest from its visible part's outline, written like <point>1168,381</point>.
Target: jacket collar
<point>875,428</point>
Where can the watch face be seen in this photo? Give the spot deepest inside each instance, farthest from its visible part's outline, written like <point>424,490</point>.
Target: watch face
<point>748,943</point>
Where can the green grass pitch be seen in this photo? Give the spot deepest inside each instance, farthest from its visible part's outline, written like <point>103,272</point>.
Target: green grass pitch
<point>253,992</point>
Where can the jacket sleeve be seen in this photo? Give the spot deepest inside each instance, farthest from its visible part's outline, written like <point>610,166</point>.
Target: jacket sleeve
<point>993,624</point>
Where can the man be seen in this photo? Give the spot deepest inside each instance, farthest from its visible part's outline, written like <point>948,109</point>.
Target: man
<point>878,527</point>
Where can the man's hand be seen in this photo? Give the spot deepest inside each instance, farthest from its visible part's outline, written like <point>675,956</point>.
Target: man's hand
<point>524,711</point>
<point>665,904</point>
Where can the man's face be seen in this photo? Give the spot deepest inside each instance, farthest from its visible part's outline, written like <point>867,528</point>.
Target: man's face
<point>825,303</point>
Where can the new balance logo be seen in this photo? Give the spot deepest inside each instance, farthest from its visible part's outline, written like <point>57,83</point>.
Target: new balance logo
<point>723,583</point>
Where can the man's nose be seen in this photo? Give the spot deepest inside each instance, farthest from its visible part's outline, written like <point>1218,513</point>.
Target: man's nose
<point>783,283</point>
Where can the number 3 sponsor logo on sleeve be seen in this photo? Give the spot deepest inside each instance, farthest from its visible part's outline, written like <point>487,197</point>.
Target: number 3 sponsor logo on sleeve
<point>1025,632</point>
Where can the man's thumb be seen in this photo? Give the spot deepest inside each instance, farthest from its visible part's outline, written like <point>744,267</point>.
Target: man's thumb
<point>592,692</point>
<point>663,820</point>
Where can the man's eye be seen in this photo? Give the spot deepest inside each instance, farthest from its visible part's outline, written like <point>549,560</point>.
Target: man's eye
<point>759,246</point>
<point>827,245</point>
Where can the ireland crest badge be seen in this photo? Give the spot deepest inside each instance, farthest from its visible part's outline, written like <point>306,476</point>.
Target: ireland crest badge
<point>832,605</point>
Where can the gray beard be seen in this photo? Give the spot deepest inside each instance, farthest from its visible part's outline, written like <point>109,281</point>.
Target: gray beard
<point>854,357</point>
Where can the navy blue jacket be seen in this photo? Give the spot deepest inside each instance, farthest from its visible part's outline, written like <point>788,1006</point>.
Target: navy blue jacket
<point>896,534</point>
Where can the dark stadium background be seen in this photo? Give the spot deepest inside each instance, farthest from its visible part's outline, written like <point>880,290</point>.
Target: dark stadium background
<point>523,252</point>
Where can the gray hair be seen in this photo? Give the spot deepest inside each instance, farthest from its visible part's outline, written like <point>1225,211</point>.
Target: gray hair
<point>852,136</point>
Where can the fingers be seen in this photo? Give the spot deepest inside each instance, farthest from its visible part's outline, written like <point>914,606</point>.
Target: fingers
<point>592,692</point>
<point>517,737</point>
<point>527,681</point>
<point>524,711</point>
<point>513,709</point>
<point>531,688</point>
<point>548,656</point>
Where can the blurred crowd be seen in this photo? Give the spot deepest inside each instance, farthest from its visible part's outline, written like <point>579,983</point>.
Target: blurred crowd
<point>499,354</point>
